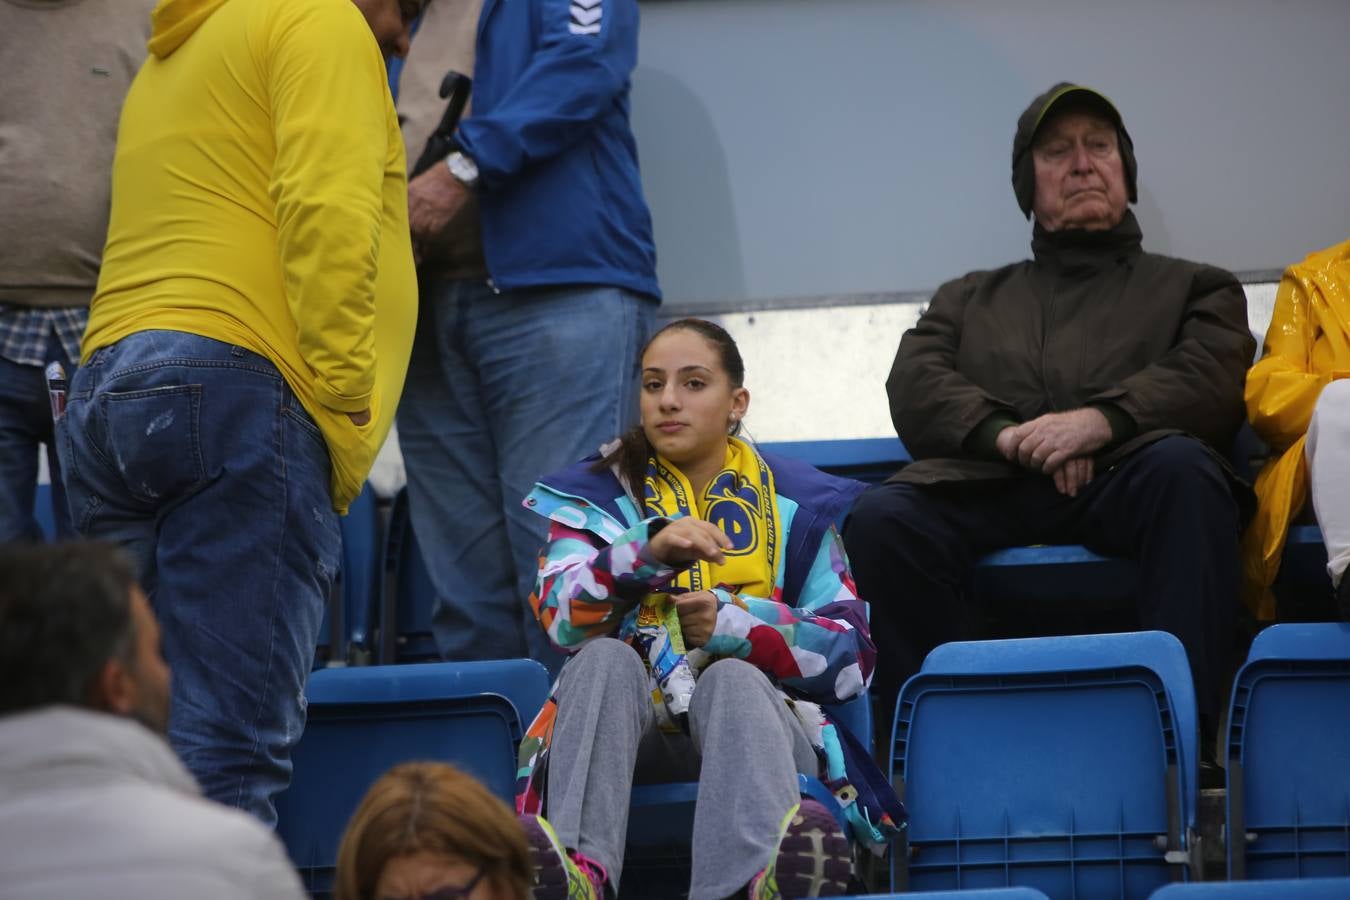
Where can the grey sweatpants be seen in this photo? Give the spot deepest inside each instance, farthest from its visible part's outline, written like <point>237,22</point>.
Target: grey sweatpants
<point>745,748</point>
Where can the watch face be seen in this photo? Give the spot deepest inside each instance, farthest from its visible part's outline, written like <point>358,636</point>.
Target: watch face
<point>462,167</point>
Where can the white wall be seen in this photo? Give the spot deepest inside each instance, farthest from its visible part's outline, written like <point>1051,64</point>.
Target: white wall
<point>823,147</point>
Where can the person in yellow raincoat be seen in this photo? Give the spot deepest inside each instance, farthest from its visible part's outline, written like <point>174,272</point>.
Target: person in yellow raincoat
<point>1298,400</point>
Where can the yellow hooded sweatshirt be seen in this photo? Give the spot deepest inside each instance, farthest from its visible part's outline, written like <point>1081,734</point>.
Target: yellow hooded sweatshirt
<point>259,198</point>
<point>1307,346</point>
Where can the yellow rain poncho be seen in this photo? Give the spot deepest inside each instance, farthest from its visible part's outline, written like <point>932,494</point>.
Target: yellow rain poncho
<point>1307,346</point>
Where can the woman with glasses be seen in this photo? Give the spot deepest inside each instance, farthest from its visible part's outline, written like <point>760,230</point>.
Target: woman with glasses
<point>427,831</point>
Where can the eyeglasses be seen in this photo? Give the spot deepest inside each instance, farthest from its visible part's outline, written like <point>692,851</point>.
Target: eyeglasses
<point>450,892</point>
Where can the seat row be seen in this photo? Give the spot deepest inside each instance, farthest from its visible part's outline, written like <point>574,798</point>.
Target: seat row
<point>1064,765</point>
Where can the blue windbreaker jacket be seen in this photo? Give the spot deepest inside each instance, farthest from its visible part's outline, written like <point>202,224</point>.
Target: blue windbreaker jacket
<point>559,188</point>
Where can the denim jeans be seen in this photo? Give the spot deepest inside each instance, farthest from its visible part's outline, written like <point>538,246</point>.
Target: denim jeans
<point>25,423</point>
<point>196,456</point>
<point>503,389</point>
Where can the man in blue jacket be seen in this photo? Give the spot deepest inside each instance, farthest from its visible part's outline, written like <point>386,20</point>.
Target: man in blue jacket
<point>538,288</point>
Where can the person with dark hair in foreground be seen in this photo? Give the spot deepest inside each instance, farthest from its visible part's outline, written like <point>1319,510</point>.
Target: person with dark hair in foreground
<point>93,803</point>
<point>707,601</point>
<point>1089,395</point>
<point>427,830</point>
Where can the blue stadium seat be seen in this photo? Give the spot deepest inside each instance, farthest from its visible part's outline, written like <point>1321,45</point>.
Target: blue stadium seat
<point>872,460</point>
<point>661,817</point>
<point>43,513</point>
<point>1067,764</point>
<point>364,720</point>
<point>409,597</point>
<point>1305,889</point>
<point>1305,558</point>
<point>1016,574</point>
<point>345,636</point>
<point>1289,755</point>
<point>1012,893</point>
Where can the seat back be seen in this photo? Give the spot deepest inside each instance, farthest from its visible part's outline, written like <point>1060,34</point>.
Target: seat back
<point>364,720</point>
<point>1053,763</point>
<point>1305,889</point>
<point>661,816</point>
<point>1289,755</point>
<point>346,633</point>
<point>409,598</point>
<point>1012,893</point>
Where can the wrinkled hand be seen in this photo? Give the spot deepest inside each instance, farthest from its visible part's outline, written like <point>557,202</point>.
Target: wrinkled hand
<point>434,199</point>
<point>1047,442</point>
<point>360,418</point>
<point>689,540</point>
<point>1073,476</point>
<point>698,617</point>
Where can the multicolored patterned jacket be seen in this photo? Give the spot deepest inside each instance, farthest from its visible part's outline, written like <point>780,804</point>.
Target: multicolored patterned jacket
<point>811,636</point>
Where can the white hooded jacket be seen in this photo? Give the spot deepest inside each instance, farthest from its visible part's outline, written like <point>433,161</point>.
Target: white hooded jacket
<point>97,806</point>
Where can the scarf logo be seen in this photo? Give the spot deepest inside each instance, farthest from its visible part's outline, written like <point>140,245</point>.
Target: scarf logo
<point>733,505</point>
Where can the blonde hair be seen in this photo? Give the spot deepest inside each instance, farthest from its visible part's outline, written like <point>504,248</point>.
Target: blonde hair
<point>432,807</point>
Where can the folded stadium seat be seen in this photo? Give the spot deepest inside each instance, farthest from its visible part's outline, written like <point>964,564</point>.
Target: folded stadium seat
<point>1013,893</point>
<point>661,819</point>
<point>1304,889</point>
<point>1016,574</point>
<point>364,720</point>
<point>871,460</point>
<point>43,512</point>
<point>1289,756</point>
<point>408,597</point>
<point>1066,764</point>
<point>345,636</point>
<point>1304,562</point>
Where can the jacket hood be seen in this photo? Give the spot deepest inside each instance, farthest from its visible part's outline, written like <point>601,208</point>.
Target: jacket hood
<point>174,21</point>
<point>56,744</point>
<point>1024,169</point>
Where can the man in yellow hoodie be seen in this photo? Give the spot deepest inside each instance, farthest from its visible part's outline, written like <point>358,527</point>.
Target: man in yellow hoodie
<point>246,349</point>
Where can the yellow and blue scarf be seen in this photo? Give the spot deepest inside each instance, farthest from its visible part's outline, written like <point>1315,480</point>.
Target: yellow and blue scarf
<point>739,500</point>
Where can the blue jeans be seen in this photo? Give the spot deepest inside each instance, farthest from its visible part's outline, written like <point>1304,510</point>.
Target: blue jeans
<point>26,422</point>
<point>503,389</point>
<point>197,458</point>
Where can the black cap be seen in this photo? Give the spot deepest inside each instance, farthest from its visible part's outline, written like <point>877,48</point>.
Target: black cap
<point>1029,123</point>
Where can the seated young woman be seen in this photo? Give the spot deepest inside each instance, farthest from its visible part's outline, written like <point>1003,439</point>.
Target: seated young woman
<point>427,831</point>
<point>708,606</point>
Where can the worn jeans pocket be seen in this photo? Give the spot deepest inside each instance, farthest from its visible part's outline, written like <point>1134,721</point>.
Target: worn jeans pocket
<point>153,438</point>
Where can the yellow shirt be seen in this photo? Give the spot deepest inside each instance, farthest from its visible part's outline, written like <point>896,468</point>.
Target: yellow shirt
<point>259,198</point>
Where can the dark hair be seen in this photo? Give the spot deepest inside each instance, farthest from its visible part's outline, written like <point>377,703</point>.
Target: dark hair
<point>431,807</point>
<point>633,451</point>
<point>65,610</point>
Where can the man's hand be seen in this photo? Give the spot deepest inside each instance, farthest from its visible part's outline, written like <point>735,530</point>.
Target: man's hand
<point>360,418</point>
<point>698,617</point>
<point>1073,476</point>
<point>434,199</point>
<point>689,540</point>
<point>1047,442</point>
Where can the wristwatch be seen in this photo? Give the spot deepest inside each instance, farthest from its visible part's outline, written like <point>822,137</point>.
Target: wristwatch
<point>463,168</point>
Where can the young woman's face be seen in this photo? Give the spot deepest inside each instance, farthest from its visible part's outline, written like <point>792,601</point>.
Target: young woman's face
<point>433,876</point>
<point>687,400</point>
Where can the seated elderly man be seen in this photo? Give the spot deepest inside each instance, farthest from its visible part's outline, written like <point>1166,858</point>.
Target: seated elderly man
<point>93,803</point>
<point>1087,396</point>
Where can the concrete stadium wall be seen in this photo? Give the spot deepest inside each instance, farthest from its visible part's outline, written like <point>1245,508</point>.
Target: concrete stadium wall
<point>822,147</point>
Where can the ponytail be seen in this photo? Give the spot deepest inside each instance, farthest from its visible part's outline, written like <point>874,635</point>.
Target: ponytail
<point>630,457</point>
